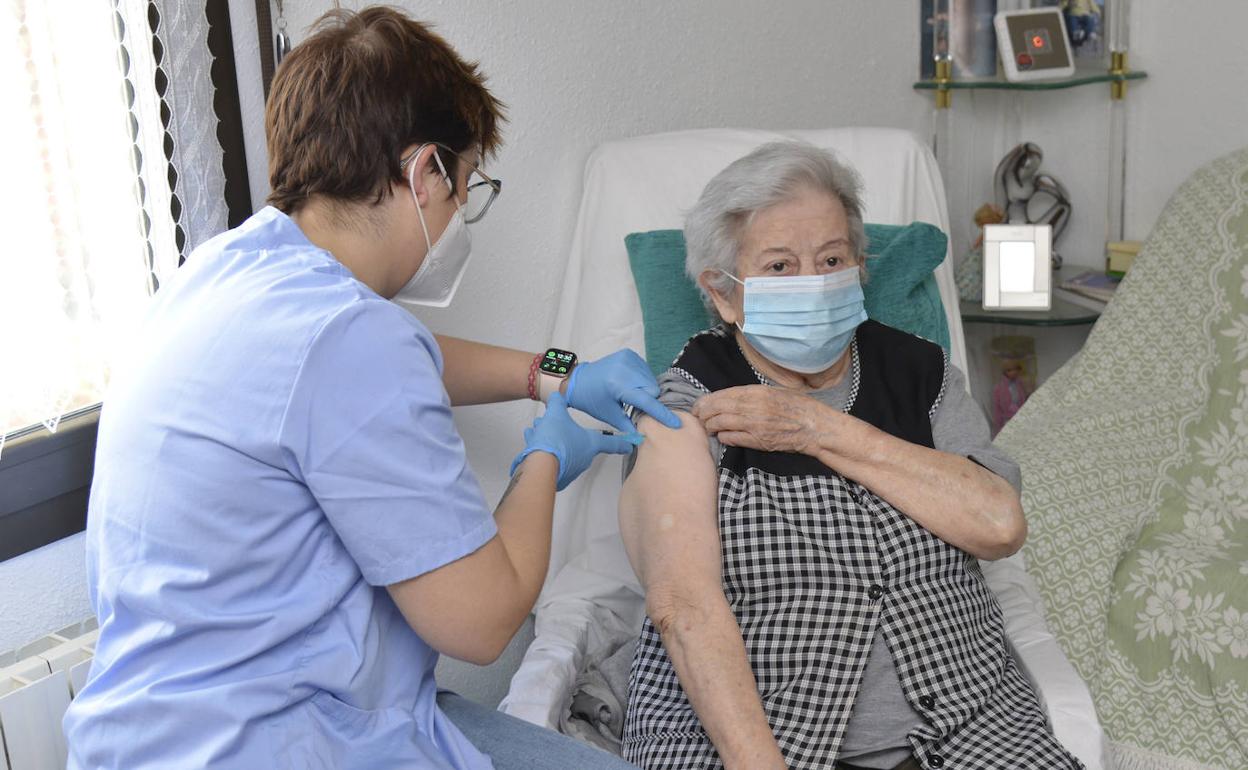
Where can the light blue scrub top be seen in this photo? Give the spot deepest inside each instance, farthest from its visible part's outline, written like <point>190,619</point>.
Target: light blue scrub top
<point>279,449</point>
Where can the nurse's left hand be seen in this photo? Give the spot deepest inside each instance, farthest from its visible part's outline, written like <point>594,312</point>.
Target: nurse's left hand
<point>601,389</point>
<point>573,446</point>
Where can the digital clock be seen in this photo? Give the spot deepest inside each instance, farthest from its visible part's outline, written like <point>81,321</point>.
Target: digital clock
<point>1033,44</point>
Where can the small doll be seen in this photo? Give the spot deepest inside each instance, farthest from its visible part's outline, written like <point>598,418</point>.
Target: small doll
<point>1009,395</point>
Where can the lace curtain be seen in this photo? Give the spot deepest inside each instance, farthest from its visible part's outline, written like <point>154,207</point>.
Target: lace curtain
<point>113,171</point>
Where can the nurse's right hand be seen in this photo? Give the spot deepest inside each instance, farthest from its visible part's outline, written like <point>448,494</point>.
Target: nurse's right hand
<point>575,447</point>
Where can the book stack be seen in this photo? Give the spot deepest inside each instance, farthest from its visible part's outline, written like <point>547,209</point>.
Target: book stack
<point>1119,255</point>
<point>1089,283</point>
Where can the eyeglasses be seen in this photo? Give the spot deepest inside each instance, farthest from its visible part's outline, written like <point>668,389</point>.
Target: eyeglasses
<point>482,189</point>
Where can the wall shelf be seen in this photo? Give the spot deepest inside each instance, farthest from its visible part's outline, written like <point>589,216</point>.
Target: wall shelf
<point>1062,313</point>
<point>1068,308</point>
<point>1058,333</point>
<point>1000,84</point>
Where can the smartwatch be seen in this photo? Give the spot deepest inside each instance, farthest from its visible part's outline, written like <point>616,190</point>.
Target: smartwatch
<point>556,367</point>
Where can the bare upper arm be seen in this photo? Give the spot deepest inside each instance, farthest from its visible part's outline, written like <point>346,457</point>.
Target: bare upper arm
<point>669,509</point>
<point>435,606</point>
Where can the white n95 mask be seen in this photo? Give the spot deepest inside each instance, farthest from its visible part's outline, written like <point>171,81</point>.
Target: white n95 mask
<point>437,280</point>
<point>803,323</point>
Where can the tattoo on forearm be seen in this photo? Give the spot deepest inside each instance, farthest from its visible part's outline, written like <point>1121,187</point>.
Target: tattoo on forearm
<point>511,485</point>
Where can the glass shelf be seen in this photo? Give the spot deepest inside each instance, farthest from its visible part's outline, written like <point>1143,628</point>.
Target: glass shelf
<point>1062,313</point>
<point>1078,79</point>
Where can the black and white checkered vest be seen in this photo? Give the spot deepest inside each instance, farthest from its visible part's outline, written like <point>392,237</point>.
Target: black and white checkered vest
<point>814,563</point>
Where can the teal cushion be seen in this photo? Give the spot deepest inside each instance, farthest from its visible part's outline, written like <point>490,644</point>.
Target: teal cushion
<point>901,291</point>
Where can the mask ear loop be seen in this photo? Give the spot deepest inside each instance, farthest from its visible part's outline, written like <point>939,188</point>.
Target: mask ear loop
<point>738,280</point>
<point>411,185</point>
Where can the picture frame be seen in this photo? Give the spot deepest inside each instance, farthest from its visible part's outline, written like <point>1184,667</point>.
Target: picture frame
<point>1087,28</point>
<point>1017,272</point>
<point>969,37</point>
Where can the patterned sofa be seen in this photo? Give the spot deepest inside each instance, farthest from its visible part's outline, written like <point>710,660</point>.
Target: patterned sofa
<point>1135,468</point>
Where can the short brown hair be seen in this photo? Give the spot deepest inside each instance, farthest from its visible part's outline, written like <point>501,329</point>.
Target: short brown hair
<point>347,101</point>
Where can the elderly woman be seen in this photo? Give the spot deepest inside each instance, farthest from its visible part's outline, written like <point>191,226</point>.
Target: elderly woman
<point>813,593</point>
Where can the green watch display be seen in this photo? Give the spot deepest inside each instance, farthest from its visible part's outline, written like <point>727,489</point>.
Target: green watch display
<point>558,363</point>
<point>556,366</point>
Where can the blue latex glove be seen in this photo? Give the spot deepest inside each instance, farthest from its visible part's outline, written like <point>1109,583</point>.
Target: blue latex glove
<point>600,388</point>
<point>575,447</point>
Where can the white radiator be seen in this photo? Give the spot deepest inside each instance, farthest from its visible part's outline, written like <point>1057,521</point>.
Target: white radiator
<point>37,681</point>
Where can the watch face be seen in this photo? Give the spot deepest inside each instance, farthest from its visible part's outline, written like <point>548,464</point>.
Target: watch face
<point>558,362</point>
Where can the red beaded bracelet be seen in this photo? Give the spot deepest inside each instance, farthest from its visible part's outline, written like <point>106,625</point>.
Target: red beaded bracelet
<point>537,361</point>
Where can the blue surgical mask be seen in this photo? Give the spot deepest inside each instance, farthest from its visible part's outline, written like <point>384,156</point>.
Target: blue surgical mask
<point>802,323</point>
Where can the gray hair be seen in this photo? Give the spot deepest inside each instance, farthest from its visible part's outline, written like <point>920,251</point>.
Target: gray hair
<point>772,174</point>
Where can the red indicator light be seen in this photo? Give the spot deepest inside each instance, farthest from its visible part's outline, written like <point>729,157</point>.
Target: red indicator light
<point>1037,41</point>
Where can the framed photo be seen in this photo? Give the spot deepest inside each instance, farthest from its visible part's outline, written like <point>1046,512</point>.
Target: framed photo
<point>1087,26</point>
<point>1017,272</point>
<point>964,30</point>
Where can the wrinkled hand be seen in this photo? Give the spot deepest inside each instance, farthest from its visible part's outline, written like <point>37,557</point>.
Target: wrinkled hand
<point>600,388</point>
<point>761,417</point>
<point>573,446</point>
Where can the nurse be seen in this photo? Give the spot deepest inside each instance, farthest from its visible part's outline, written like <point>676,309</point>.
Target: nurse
<point>284,532</point>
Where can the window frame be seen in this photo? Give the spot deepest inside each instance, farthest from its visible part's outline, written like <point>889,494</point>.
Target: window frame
<point>45,478</point>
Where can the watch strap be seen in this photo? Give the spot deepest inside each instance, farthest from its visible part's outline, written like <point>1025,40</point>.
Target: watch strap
<point>547,384</point>
<point>534,395</point>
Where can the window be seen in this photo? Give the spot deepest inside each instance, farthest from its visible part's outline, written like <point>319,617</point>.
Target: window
<point>95,218</point>
<point>75,278</point>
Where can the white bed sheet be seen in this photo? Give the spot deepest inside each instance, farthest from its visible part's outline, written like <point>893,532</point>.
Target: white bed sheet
<point>648,183</point>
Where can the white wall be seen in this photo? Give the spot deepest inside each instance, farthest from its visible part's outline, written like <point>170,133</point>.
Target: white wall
<point>577,73</point>
<point>573,75</point>
<point>1194,106</point>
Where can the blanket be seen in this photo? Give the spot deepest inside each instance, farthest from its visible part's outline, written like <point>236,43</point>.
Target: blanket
<point>1135,469</point>
<point>600,698</point>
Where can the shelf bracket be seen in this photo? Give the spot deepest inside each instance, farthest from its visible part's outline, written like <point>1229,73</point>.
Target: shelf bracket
<point>944,76</point>
<point>1118,69</point>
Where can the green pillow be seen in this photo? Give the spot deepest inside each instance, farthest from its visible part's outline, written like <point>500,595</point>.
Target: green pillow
<point>901,291</point>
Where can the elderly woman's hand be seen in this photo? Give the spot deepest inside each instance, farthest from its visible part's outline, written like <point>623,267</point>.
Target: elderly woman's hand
<point>762,417</point>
